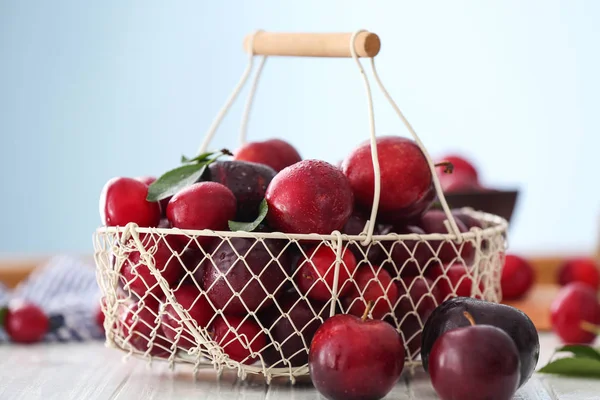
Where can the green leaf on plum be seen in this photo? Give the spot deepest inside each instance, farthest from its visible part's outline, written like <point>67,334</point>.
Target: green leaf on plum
<point>263,209</point>
<point>205,156</point>
<point>584,367</point>
<point>175,180</point>
<point>179,178</point>
<point>580,351</point>
<point>199,158</point>
<point>3,313</point>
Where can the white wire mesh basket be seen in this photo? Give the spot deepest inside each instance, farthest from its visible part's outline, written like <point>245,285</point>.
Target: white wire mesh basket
<point>252,301</point>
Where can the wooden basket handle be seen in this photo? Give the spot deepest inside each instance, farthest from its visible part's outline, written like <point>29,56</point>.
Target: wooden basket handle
<point>367,44</point>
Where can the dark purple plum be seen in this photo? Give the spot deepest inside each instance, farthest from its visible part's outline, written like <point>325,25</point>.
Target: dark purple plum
<point>424,295</point>
<point>479,362</point>
<point>373,253</point>
<point>410,328</point>
<point>225,268</point>
<point>247,180</point>
<point>469,221</point>
<point>410,257</point>
<point>292,329</point>
<point>450,315</point>
<point>425,298</point>
<point>433,222</point>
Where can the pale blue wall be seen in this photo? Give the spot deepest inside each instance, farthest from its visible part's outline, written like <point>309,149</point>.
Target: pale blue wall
<point>90,91</point>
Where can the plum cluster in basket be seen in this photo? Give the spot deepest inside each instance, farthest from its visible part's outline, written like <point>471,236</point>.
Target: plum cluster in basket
<point>262,298</point>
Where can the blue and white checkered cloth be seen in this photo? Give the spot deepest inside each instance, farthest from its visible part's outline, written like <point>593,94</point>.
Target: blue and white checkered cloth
<point>65,288</point>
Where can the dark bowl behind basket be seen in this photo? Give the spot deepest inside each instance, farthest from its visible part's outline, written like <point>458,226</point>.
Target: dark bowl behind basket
<point>498,202</point>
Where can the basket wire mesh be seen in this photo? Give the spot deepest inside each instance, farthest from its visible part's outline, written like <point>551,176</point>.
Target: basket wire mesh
<point>256,280</point>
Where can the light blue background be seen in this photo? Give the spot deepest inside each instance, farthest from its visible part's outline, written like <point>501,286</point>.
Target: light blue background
<point>92,90</point>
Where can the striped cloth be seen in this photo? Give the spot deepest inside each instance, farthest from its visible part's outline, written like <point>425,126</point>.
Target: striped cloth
<point>66,289</point>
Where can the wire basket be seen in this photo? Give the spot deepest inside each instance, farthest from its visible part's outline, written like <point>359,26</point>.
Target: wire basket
<point>252,301</point>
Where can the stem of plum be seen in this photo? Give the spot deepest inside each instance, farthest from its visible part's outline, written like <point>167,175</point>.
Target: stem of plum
<point>367,311</point>
<point>448,166</point>
<point>589,327</point>
<point>469,317</point>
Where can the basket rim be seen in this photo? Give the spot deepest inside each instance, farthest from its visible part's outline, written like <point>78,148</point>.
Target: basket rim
<point>499,226</point>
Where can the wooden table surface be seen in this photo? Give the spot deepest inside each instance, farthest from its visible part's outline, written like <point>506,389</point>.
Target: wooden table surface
<point>92,371</point>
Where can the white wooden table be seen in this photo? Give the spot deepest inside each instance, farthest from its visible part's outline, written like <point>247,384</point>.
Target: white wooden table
<point>91,371</point>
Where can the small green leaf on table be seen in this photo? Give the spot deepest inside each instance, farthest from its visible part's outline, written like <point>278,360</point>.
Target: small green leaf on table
<point>580,351</point>
<point>574,367</point>
<point>250,226</point>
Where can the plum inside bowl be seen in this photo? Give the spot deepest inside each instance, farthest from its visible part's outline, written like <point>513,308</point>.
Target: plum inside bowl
<point>498,202</point>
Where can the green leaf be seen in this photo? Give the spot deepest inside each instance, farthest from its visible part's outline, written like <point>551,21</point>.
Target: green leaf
<point>199,158</point>
<point>175,180</point>
<point>205,156</point>
<point>581,351</point>
<point>179,178</point>
<point>574,366</point>
<point>3,314</point>
<point>250,226</point>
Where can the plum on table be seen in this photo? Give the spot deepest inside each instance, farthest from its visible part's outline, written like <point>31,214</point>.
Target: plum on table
<point>517,277</point>
<point>353,358</point>
<point>575,306</point>
<point>580,269</point>
<point>478,362</point>
<point>450,315</point>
